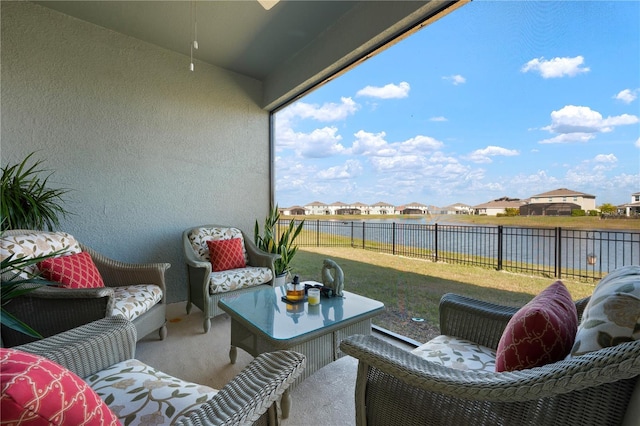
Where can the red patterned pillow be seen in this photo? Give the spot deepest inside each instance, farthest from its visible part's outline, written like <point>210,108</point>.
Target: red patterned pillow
<point>541,332</point>
<point>72,271</point>
<point>37,391</point>
<point>226,254</point>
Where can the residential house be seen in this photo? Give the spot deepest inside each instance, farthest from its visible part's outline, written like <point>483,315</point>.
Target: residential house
<point>559,202</point>
<point>317,208</point>
<point>382,208</point>
<point>632,208</point>
<point>103,92</point>
<point>457,208</point>
<point>415,208</point>
<point>498,206</point>
<point>293,211</point>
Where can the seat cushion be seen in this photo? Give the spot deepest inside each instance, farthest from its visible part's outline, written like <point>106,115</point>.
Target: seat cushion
<point>37,391</point>
<point>37,243</point>
<point>199,237</point>
<point>72,271</point>
<point>612,315</point>
<point>132,301</point>
<point>459,354</point>
<point>541,332</point>
<point>141,395</point>
<point>234,279</point>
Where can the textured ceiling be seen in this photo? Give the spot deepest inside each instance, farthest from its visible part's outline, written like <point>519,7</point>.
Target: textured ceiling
<point>237,35</point>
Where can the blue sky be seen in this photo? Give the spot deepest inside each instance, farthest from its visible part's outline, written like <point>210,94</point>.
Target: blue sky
<point>498,98</point>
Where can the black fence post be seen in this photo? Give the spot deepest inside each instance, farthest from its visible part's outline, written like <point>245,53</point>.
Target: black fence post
<point>558,244</point>
<point>363,237</point>
<point>393,238</point>
<point>318,233</point>
<point>352,240</point>
<point>435,238</point>
<point>500,247</point>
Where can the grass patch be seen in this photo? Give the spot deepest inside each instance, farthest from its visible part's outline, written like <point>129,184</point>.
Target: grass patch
<point>412,287</point>
<point>569,222</point>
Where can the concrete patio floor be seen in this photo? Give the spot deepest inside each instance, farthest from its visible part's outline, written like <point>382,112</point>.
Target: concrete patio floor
<point>325,398</point>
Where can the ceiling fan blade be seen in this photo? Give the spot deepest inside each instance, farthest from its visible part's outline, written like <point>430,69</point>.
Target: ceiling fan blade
<point>268,4</point>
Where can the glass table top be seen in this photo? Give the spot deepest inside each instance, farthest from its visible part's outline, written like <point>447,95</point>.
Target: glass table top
<point>265,310</point>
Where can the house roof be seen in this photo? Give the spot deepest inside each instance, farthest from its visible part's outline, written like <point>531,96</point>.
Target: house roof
<point>504,202</point>
<point>290,48</point>
<point>564,192</point>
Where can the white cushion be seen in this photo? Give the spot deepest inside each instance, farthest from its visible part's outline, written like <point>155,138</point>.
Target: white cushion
<point>612,315</point>
<point>37,243</point>
<point>141,395</point>
<point>199,237</point>
<point>234,279</point>
<point>459,354</point>
<point>134,300</point>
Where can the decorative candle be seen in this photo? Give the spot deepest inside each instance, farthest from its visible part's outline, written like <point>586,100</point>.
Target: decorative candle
<point>313,296</point>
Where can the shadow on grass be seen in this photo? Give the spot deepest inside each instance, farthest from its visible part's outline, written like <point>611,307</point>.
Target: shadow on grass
<point>407,295</point>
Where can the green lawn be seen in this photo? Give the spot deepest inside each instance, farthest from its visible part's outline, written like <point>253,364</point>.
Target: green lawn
<point>585,222</point>
<point>412,288</point>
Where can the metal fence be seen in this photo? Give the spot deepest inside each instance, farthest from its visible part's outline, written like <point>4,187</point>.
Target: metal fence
<point>553,252</point>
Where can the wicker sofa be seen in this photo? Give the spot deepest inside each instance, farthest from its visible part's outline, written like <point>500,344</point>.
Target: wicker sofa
<point>205,286</point>
<point>102,353</point>
<point>395,386</point>
<point>135,291</point>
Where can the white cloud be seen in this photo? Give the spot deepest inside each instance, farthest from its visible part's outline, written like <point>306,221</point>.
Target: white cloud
<point>350,169</point>
<point>579,123</point>
<point>375,145</point>
<point>605,158</point>
<point>569,138</point>
<point>440,118</point>
<point>326,112</point>
<point>637,143</point>
<point>484,155</point>
<point>556,67</point>
<point>390,91</point>
<point>419,144</point>
<point>323,142</point>
<point>369,143</point>
<point>455,79</point>
<point>627,95</point>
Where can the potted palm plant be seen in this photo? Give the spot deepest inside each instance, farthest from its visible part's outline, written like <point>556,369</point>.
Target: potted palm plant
<point>26,200</point>
<point>283,244</point>
<point>16,283</point>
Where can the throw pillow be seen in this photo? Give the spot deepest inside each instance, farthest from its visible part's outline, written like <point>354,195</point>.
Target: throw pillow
<point>541,332</point>
<point>73,271</point>
<point>37,391</point>
<point>612,315</point>
<point>226,254</point>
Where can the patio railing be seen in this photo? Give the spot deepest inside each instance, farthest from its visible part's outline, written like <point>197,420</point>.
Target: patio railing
<point>554,252</point>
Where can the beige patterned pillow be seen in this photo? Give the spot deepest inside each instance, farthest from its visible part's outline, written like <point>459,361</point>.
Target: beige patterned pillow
<point>459,354</point>
<point>37,243</point>
<point>612,315</point>
<point>199,237</point>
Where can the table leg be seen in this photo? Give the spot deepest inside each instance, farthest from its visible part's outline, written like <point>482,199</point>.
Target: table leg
<point>233,354</point>
<point>285,404</point>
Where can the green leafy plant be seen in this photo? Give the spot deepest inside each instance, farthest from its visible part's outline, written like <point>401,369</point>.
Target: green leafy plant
<point>283,245</point>
<point>26,202</point>
<point>14,285</point>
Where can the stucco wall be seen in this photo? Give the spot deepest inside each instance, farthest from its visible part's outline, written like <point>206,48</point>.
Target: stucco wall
<point>147,147</point>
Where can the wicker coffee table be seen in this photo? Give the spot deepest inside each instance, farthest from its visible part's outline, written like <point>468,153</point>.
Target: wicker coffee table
<point>262,322</point>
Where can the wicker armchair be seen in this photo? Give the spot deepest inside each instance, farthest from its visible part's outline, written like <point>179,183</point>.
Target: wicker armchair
<point>395,386</point>
<point>51,310</point>
<point>249,398</point>
<point>206,288</point>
